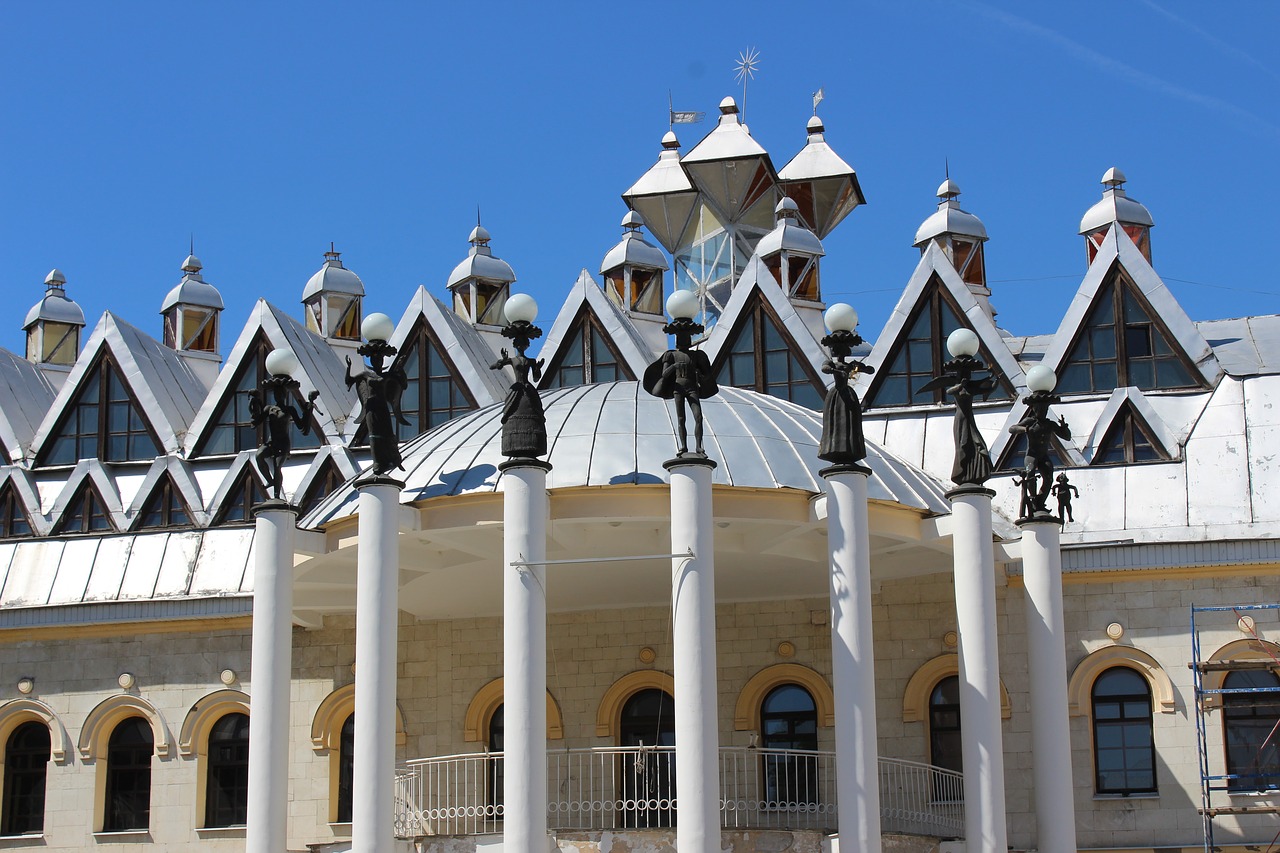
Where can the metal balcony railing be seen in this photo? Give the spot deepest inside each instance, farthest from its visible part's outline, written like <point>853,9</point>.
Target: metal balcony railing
<point>619,788</point>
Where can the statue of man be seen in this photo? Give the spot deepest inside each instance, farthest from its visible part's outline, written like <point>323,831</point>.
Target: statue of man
<point>278,416</point>
<point>683,373</point>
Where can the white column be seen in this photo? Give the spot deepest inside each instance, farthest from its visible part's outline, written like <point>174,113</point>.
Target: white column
<point>524,654</point>
<point>270,675</point>
<point>1047,661</point>
<point>377,618</point>
<point>983,749</point>
<point>852,658</point>
<point>693,603</point>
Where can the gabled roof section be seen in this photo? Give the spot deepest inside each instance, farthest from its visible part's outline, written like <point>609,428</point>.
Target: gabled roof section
<point>320,371</point>
<point>1245,346</point>
<point>26,396</point>
<point>330,461</point>
<point>180,472</point>
<point>756,280</point>
<point>167,391</point>
<point>620,332</point>
<point>935,266</point>
<point>1118,250</point>
<point>24,489</point>
<point>89,473</point>
<point>229,489</point>
<point>1122,403</point>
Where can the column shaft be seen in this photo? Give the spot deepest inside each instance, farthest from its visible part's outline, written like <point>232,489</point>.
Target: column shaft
<point>853,660</point>
<point>1047,661</point>
<point>377,617</point>
<point>982,742</point>
<point>524,667</point>
<point>270,675</point>
<point>693,600</point>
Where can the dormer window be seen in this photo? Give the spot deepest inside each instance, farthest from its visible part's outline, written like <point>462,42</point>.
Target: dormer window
<point>104,421</point>
<point>85,514</point>
<point>190,328</point>
<point>967,257</point>
<point>14,522</point>
<point>164,508</point>
<point>1128,441</point>
<point>585,357</point>
<point>331,300</point>
<point>435,393</point>
<point>760,356</point>
<point>481,302</point>
<point>237,506</point>
<point>798,275</point>
<point>633,270</point>
<point>53,343</point>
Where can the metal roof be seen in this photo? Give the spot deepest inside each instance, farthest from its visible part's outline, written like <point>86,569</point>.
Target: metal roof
<point>193,289</point>
<point>790,235</point>
<point>333,277</point>
<point>55,306</point>
<point>27,395</point>
<point>729,140</point>
<point>950,219</point>
<point>1115,207</point>
<point>1247,346</point>
<point>633,249</point>
<point>815,160</point>
<point>616,434</point>
<point>481,263</point>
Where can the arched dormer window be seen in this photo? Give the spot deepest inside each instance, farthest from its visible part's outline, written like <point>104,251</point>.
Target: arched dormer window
<point>86,513</point>
<point>760,356</point>
<point>1124,751</point>
<point>26,763</point>
<point>586,356</point>
<point>231,429</point>
<point>919,353</point>
<point>103,421</point>
<point>1122,343</point>
<point>164,508</point>
<point>14,522</point>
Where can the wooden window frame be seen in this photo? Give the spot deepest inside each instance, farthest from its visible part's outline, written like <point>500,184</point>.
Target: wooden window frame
<point>759,310</point>
<point>11,509</point>
<point>165,491</point>
<point>98,371</point>
<point>86,491</point>
<point>581,328</point>
<point>1128,418</point>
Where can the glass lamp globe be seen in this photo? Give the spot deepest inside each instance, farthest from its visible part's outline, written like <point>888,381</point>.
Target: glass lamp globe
<point>282,362</point>
<point>962,342</point>
<point>521,308</point>
<point>841,317</point>
<point>682,305</point>
<point>1041,378</point>
<point>377,327</point>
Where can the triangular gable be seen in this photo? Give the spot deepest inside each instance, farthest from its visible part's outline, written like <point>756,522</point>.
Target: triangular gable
<point>462,346</point>
<point>756,280</point>
<point>26,395</point>
<point>165,388</point>
<point>88,473</point>
<point>230,493</point>
<point>320,370</point>
<point>23,486</point>
<point>619,332</point>
<point>1005,448</point>
<point>1118,248</point>
<point>934,266</point>
<point>1122,402</point>
<point>180,473</point>
<point>331,467</point>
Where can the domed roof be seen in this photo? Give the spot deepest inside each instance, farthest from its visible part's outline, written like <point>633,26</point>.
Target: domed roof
<point>480,262</point>
<point>192,289</point>
<point>1115,206</point>
<point>616,434</point>
<point>789,234</point>
<point>633,249</point>
<point>949,218</point>
<point>333,277</point>
<point>54,306</point>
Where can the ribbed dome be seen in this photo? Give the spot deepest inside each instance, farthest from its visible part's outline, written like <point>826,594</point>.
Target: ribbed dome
<point>949,218</point>
<point>333,277</point>
<point>616,434</point>
<point>634,249</point>
<point>193,289</point>
<point>55,306</point>
<point>480,262</point>
<point>1115,206</point>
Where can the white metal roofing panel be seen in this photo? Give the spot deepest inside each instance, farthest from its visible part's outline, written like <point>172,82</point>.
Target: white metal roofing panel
<point>7,550</point>
<point>177,565</point>
<point>1157,496</point>
<point>31,573</point>
<point>729,139</point>
<point>664,176</point>
<point>220,567</point>
<point>109,564</point>
<point>1245,346</point>
<point>1217,469</point>
<point>25,398</point>
<point>73,571</point>
<point>816,159</point>
<point>142,570</point>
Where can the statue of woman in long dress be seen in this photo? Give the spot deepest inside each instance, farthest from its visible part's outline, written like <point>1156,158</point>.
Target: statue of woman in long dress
<point>524,423</point>
<point>972,465</point>
<point>379,390</point>
<point>842,440</point>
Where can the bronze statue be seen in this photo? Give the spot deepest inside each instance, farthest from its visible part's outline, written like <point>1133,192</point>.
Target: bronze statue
<point>524,423</point>
<point>683,374</point>
<point>278,416</point>
<point>972,465</point>
<point>842,441</point>
<point>380,388</point>
<point>1063,490</point>
<point>1037,468</point>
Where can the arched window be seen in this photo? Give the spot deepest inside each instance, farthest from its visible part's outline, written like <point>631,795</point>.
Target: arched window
<point>346,768</point>
<point>128,793</point>
<point>497,778</point>
<point>944,725</point>
<point>1124,750</point>
<point>789,721</point>
<point>648,720</point>
<point>1250,723</point>
<point>26,759</point>
<point>227,783</point>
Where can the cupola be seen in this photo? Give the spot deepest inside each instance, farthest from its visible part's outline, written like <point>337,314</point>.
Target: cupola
<point>481,283</point>
<point>960,235</point>
<point>823,186</point>
<point>665,196</point>
<point>633,270</point>
<point>191,312</point>
<point>53,325</point>
<point>332,300</point>
<point>791,252</point>
<point>1116,206</point>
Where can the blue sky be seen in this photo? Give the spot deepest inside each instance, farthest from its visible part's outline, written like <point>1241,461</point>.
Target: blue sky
<point>270,129</point>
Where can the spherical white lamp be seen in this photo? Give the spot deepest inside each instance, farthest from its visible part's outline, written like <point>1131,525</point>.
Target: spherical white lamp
<point>282,362</point>
<point>1041,378</point>
<point>841,317</point>
<point>962,342</point>
<point>682,305</point>
<point>377,327</point>
<point>521,308</point>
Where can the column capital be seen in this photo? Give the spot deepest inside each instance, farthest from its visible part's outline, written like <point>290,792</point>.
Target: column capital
<point>966,491</point>
<point>1046,518</point>
<point>524,462</point>
<point>844,468</point>
<point>690,460</point>
<point>372,479</point>
<point>273,505</point>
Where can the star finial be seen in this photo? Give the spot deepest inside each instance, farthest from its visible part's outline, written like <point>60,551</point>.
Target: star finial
<point>748,62</point>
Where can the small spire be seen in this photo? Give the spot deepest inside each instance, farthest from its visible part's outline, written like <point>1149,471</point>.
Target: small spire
<point>55,280</point>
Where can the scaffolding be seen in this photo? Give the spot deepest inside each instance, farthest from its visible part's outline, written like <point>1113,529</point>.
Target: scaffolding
<point>1215,788</point>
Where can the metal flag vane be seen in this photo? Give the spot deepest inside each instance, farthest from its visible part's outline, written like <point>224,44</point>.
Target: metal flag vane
<point>675,117</point>
<point>748,62</point>
<point>818,97</point>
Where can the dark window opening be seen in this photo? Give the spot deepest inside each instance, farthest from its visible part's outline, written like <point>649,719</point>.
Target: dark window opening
<point>239,503</point>
<point>435,392</point>
<point>586,357</point>
<point>1251,730</point>
<point>227,781</point>
<point>789,721</point>
<point>26,762</point>
<point>85,514</point>
<point>128,791</point>
<point>649,778</point>
<point>496,772</point>
<point>1128,441</point>
<point>760,357</point>
<point>165,507</point>
<point>346,769</point>
<point>14,522</point>
<point>1124,751</point>
<point>104,421</point>
<point>325,482</point>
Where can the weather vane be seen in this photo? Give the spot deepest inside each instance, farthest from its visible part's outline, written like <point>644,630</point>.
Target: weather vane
<point>818,97</point>
<point>748,62</point>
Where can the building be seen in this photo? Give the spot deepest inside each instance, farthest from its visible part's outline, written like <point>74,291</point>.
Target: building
<point>127,544</point>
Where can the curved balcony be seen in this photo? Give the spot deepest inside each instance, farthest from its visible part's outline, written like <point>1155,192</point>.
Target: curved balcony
<point>628,788</point>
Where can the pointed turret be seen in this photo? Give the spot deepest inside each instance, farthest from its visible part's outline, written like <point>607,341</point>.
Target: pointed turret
<point>53,325</point>
<point>481,283</point>
<point>960,235</point>
<point>191,311</point>
<point>824,187</point>
<point>791,252</point>
<point>633,270</point>
<point>333,300</point>
<point>665,196</point>
<point>1116,206</point>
